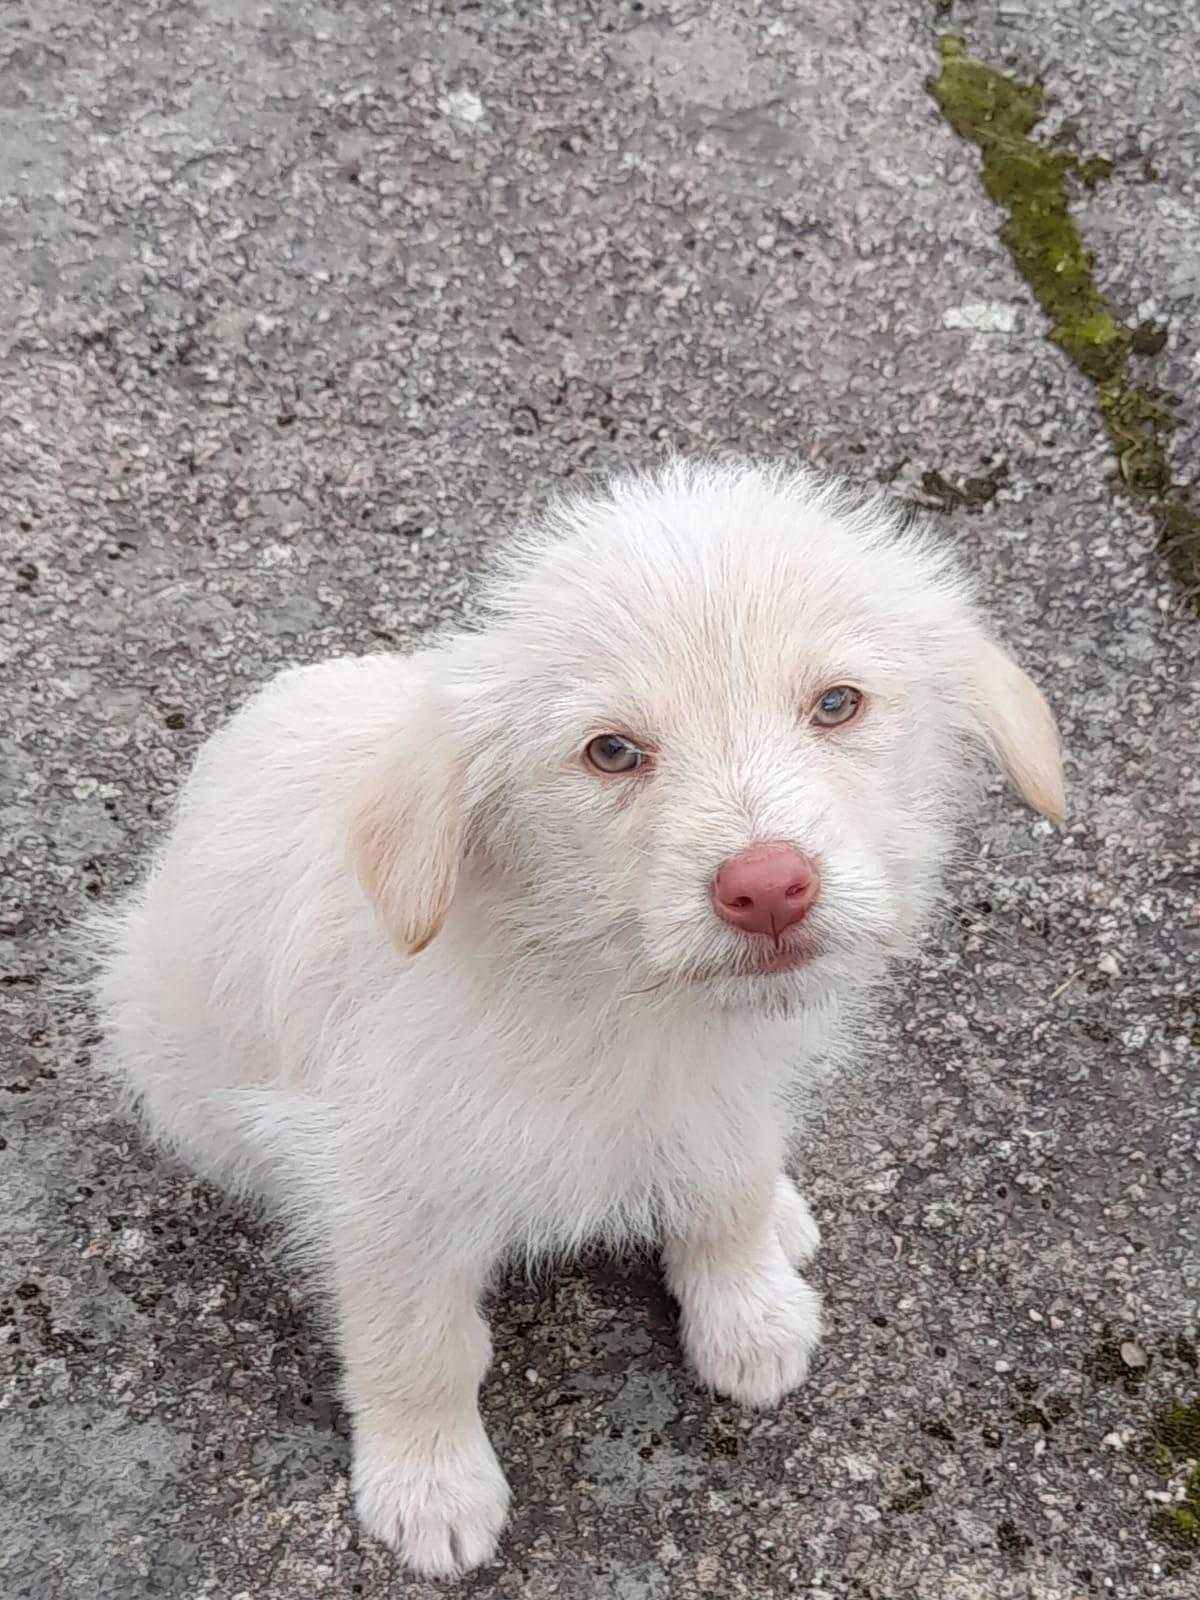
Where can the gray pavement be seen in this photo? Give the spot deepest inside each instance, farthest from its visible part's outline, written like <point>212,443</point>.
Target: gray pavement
<point>300,306</point>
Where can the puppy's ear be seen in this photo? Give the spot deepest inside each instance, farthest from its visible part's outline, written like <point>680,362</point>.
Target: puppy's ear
<point>1020,728</point>
<point>406,828</point>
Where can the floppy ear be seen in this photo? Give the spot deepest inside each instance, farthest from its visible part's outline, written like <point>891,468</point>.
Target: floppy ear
<point>406,828</point>
<point>1020,728</point>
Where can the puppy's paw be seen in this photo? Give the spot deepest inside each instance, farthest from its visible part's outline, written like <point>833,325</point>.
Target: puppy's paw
<point>752,1338</point>
<point>795,1228</point>
<point>439,1504</point>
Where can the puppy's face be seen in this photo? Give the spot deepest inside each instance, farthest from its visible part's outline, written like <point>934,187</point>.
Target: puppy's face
<point>717,735</point>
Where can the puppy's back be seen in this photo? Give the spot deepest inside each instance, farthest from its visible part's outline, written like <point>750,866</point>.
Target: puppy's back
<point>213,972</point>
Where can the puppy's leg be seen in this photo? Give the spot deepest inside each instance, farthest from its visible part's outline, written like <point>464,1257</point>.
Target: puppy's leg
<point>795,1223</point>
<point>425,1477</point>
<point>749,1323</point>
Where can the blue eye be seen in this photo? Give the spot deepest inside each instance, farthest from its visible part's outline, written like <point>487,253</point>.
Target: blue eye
<point>612,753</point>
<point>837,705</point>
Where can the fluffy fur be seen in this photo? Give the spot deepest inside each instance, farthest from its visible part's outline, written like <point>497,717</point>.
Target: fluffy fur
<point>409,968</point>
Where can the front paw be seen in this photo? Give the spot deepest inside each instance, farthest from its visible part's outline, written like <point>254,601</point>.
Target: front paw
<point>795,1227</point>
<point>439,1503</point>
<point>752,1337</point>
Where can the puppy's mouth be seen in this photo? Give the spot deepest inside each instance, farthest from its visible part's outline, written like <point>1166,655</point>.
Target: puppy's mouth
<point>763,957</point>
<point>759,960</point>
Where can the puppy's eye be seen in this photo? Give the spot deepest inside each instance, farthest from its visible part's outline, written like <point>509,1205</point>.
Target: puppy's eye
<point>837,706</point>
<point>612,753</point>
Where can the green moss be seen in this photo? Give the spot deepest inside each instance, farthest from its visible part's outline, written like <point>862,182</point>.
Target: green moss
<point>1031,182</point>
<point>1179,540</point>
<point>1177,1430</point>
<point>1137,425</point>
<point>1178,1526</point>
<point>1175,1443</point>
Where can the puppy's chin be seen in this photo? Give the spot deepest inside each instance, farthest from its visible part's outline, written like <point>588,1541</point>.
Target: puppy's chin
<point>786,988</point>
<point>779,984</point>
<point>805,971</point>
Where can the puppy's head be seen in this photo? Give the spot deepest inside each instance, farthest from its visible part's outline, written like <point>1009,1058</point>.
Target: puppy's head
<point>715,735</point>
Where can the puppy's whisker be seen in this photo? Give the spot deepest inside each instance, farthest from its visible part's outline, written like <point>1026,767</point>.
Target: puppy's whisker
<point>651,988</point>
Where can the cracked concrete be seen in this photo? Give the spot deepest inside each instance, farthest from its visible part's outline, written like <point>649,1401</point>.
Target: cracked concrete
<point>299,306</point>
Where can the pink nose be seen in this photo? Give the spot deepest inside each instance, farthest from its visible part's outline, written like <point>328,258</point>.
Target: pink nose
<point>766,889</point>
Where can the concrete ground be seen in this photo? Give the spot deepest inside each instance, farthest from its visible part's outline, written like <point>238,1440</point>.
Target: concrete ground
<point>300,305</point>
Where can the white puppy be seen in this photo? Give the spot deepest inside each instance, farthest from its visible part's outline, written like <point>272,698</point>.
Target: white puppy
<point>517,942</point>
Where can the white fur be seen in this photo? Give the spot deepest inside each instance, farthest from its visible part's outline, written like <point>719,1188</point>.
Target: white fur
<point>582,1051</point>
